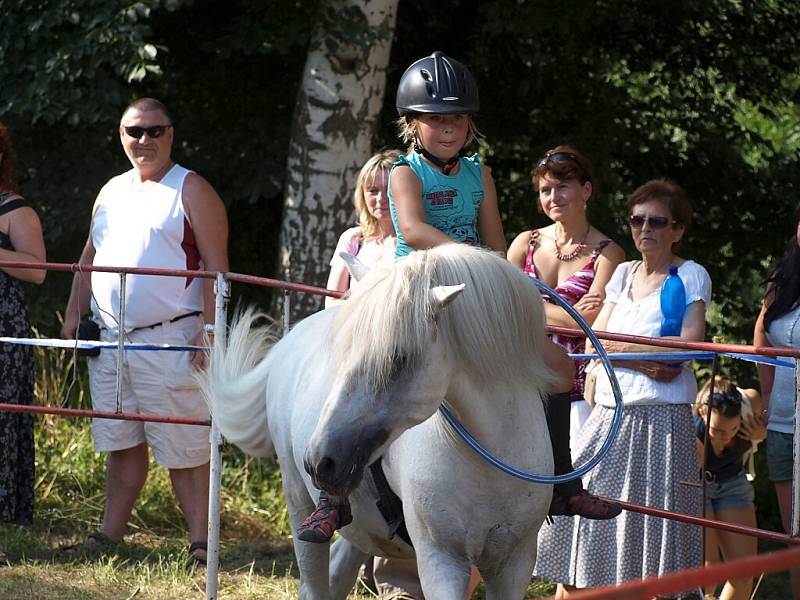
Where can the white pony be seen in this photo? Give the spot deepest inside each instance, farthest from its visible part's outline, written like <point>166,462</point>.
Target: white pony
<point>454,325</point>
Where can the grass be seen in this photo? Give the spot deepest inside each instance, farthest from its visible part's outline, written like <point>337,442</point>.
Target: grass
<point>257,560</point>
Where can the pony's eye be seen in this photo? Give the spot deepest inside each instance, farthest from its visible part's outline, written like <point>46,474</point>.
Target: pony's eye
<point>400,361</point>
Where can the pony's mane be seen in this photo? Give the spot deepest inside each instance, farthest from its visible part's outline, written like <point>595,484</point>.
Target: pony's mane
<point>494,329</point>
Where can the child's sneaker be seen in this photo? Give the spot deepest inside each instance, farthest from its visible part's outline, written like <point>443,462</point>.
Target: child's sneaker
<point>318,527</point>
<point>583,504</point>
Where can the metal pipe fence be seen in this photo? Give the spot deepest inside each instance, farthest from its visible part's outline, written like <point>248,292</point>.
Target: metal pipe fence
<point>671,583</point>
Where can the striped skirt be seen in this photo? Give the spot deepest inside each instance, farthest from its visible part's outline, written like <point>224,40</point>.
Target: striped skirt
<point>648,463</point>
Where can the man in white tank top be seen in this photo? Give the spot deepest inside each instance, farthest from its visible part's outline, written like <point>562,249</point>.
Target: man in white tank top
<point>160,215</point>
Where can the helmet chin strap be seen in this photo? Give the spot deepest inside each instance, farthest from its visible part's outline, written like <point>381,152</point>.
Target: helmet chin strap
<point>445,165</point>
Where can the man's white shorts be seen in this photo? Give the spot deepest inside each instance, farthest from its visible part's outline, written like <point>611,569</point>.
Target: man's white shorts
<point>157,382</point>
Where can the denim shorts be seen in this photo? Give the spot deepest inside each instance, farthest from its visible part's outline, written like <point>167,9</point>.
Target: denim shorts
<point>779,455</point>
<point>729,494</point>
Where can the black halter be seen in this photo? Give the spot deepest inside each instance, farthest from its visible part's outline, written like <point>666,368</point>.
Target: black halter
<point>445,165</point>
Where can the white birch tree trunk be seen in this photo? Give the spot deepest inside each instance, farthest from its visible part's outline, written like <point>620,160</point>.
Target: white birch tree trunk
<point>335,118</point>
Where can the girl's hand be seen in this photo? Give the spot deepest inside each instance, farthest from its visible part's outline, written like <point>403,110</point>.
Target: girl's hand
<point>752,429</point>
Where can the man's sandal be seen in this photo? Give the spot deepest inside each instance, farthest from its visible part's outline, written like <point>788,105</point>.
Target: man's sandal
<point>194,561</point>
<point>93,542</point>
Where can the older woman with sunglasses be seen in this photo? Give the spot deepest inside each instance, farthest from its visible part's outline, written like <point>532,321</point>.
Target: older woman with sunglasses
<point>652,457</point>
<point>577,260</point>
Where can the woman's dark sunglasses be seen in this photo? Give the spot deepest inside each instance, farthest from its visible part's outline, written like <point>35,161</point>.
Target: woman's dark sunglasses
<point>556,157</point>
<point>154,132</point>
<point>638,221</point>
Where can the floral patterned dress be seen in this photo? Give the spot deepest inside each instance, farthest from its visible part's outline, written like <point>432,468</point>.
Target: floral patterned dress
<point>16,387</point>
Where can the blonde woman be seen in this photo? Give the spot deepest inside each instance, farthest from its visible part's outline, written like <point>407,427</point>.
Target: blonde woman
<point>373,240</point>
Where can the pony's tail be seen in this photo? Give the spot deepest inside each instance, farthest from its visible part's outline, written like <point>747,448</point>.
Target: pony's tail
<point>235,384</point>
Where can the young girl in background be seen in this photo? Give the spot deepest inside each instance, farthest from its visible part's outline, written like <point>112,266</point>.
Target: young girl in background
<point>732,434</point>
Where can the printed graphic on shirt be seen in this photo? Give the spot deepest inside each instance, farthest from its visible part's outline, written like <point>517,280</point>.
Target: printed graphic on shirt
<point>447,210</point>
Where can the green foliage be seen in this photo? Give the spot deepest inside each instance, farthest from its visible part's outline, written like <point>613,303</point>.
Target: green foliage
<point>63,61</point>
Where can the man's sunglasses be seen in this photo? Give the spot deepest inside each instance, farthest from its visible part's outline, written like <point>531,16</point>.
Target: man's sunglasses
<point>556,157</point>
<point>154,132</point>
<point>638,221</point>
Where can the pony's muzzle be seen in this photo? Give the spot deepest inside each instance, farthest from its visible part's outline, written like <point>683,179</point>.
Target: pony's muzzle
<point>338,470</point>
<point>326,475</point>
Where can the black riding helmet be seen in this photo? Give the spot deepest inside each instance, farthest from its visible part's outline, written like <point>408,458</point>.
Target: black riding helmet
<point>437,84</point>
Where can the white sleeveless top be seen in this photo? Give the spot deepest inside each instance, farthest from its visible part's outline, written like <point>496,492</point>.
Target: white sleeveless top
<point>150,228</point>
<point>643,317</point>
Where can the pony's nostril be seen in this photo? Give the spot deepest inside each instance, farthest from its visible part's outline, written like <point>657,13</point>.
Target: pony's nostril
<point>325,468</point>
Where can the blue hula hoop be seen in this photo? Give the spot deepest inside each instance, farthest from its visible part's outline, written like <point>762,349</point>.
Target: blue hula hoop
<point>616,421</point>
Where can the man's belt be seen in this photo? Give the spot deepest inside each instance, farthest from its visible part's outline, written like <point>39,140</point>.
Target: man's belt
<point>178,318</point>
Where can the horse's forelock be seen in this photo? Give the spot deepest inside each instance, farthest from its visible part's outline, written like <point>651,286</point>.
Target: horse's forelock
<point>493,329</point>
<point>387,314</point>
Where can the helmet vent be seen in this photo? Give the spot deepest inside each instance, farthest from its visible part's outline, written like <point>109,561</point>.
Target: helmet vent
<point>426,74</point>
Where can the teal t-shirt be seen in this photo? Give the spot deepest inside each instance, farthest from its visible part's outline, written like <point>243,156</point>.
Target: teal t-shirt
<point>451,202</point>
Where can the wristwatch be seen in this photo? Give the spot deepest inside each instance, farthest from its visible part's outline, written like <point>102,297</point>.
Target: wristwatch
<point>208,328</point>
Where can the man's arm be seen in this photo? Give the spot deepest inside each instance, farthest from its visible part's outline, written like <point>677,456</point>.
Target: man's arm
<point>209,222</point>
<point>80,293</point>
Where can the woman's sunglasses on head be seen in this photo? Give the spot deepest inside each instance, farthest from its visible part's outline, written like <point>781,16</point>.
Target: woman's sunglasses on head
<point>733,397</point>
<point>556,157</point>
<point>154,132</point>
<point>638,221</point>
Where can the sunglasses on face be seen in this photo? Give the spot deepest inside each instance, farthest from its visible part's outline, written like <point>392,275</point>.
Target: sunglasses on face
<point>154,132</point>
<point>556,157</point>
<point>638,221</point>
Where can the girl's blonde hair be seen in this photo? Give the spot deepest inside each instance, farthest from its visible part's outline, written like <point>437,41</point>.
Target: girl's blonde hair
<point>407,129</point>
<point>382,161</point>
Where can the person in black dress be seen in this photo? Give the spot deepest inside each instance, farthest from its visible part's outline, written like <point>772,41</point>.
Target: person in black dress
<point>20,240</point>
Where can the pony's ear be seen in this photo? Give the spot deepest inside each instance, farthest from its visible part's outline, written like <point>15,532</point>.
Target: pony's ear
<point>358,270</point>
<point>442,295</point>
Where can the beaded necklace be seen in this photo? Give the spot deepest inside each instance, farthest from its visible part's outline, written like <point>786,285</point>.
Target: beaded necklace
<point>578,249</point>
